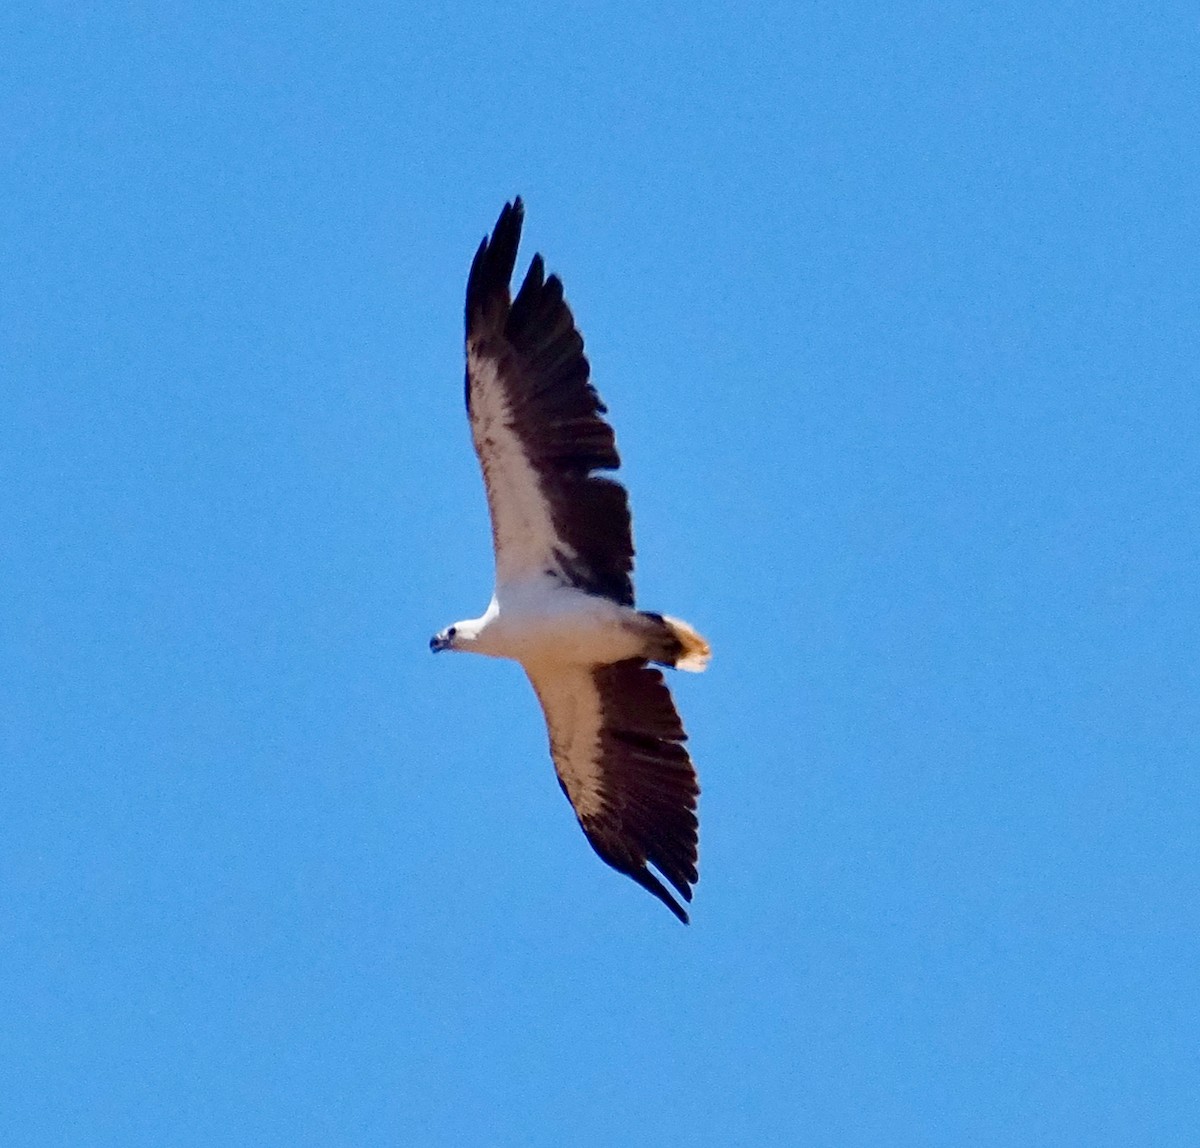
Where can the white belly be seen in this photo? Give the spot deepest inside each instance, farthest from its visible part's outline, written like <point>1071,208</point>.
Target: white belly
<point>537,624</point>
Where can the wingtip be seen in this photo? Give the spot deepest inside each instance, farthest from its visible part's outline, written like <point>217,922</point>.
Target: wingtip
<point>512,214</point>
<point>653,885</point>
<point>492,268</point>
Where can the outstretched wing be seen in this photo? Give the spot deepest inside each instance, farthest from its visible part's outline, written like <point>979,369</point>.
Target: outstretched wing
<point>537,426</point>
<point>617,744</point>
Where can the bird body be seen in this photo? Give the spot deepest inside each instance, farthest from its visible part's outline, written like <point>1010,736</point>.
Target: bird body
<point>541,621</point>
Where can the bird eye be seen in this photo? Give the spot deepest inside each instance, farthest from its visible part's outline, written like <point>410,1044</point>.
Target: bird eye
<point>451,632</point>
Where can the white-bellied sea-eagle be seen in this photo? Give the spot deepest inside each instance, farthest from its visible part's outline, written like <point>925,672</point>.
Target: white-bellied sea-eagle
<point>563,602</point>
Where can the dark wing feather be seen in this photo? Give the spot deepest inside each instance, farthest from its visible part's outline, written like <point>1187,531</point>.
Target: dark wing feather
<point>530,348</point>
<point>617,744</point>
<point>650,786</point>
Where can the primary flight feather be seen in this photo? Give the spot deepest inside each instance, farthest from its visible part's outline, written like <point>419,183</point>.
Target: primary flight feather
<point>563,604</point>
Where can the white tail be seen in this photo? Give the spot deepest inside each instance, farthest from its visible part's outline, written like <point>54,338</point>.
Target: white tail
<point>696,652</point>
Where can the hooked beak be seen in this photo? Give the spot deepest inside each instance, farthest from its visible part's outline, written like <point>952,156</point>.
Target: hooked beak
<point>438,643</point>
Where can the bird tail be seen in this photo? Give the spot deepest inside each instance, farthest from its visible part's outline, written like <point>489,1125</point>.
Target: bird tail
<point>674,643</point>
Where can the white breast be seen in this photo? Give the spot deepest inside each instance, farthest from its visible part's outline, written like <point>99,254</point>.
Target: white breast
<point>540,621</point>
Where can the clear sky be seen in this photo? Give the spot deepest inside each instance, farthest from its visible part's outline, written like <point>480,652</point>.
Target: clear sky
<point>895,310</point>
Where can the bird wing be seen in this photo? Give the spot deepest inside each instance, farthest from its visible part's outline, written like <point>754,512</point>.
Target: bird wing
<point>538,429</point>
<point>617,744</point>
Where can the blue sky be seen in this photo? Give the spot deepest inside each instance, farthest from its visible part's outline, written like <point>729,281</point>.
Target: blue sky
<point>895,311</point>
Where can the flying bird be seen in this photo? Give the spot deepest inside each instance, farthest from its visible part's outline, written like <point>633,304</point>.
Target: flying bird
<point>563,603</point>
